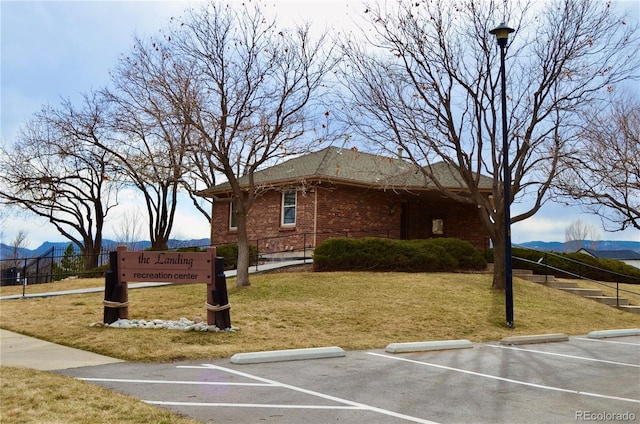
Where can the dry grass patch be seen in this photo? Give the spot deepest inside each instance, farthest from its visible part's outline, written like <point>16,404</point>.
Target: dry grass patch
<point>70,284</point>
<point>30,396</point>
<point>297,310</point>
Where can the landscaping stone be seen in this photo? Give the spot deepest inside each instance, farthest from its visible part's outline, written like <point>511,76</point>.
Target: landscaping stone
<point>183,324</point>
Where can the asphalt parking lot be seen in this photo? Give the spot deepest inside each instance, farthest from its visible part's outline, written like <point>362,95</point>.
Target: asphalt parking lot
<point>583,379</point>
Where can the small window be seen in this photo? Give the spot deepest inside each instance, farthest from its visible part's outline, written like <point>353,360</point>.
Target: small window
<point>232,215</point>
<point>437,226</point>
<point>289,208</point>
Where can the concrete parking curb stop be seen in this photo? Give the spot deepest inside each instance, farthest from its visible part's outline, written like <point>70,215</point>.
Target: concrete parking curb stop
<point>614,333</point>
<point>287,355</point>
<point>539,338</point>
<point>427,346</point>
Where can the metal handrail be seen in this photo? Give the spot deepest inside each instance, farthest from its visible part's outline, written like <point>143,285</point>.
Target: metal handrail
<point>613,273</point>
<point>386,233</point>
<point>547,266</point>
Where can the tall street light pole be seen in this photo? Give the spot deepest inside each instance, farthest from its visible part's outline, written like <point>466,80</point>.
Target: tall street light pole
<point>502,36</point>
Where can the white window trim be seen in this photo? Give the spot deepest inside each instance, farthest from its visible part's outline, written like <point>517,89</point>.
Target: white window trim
<point>231,214</point>
<point>295,209</point>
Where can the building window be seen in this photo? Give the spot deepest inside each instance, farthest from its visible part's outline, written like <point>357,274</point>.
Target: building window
<point>232,216</point>
<point>289,208</point>
<point>437,226</point>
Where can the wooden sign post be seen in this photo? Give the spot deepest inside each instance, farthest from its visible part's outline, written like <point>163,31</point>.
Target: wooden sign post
<point>165,267</point>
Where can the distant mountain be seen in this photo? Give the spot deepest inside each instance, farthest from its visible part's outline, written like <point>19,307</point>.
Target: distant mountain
<point>7,251</point>
<point>549,246</point>
<point>556,246</point>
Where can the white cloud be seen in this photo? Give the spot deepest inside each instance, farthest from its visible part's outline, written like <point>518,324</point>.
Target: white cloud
<point>38,230</point>
<point>189,223</point>
<point>550,222</point>
<point>538,228</point>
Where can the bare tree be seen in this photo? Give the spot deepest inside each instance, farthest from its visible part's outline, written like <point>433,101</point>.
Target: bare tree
<point>577,233</point>
<point>150,134</point>
<point>254,106</point>
<point>52,172</point>
<point>427,81</point>
<point>19,242</point>
<point>4,216</point>
<point>603,172</point>
<point>128,231</point>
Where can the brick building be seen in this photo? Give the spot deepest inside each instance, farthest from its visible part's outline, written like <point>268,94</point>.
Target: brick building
<point>346,193</point>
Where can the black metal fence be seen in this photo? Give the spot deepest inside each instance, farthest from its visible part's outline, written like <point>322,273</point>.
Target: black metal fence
<point>55,264</point>
<point>32,270</point>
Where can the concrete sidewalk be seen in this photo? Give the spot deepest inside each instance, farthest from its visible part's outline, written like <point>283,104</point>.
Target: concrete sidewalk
<point>17,350</point>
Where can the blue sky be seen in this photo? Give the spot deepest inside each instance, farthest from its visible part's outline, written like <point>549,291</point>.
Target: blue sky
<point>55,49</point>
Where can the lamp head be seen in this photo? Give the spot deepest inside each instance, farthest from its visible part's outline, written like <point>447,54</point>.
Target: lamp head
<point>502,32</point>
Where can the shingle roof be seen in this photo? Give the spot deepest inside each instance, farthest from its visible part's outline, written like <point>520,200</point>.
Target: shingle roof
<point>352,167</point>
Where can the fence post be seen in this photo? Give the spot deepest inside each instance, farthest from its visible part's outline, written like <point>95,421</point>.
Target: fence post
<point>37,270</point>
<point>257,253</point>
<point>304,247</point>
<point>546,268</point>
<point>49,277</point>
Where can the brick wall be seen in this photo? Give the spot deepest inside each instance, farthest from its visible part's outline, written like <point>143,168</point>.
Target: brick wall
<point>347,212</point>
<point>357,212</point>
<point>264,222</point>
<point>459,221</point>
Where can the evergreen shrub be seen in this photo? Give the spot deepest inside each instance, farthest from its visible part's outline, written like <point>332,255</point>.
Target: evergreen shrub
<point>72,263</point>
<point>380,254</point>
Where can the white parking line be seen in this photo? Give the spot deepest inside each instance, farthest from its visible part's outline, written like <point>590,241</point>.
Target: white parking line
<point>565,355</point>
<point>607,341</point>
<point>508,380</point>
<point>351,404</point>
<point>252,405</point>
<point>195,383</point>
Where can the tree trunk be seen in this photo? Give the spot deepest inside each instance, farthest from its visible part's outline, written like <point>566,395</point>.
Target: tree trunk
<point>499,263</point>
<point>91,257</point>
<point>242,278</point>
<point>158,244</point>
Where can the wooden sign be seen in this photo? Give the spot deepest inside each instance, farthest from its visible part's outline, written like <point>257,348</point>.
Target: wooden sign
<point>166,267</point>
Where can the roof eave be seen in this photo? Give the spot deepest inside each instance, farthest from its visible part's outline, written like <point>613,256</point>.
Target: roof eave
<point>319,179</point>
